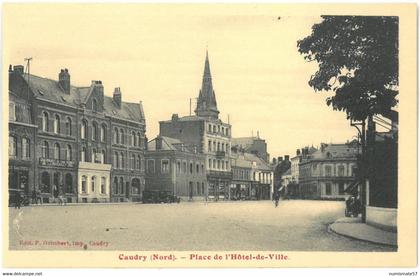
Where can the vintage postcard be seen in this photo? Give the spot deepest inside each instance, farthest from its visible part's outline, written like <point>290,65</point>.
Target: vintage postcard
<point>209,135</point>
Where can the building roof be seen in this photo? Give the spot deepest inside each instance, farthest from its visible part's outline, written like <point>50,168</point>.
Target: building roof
<point>245,142</point>
<point>49,89</point>
<point>193,118</point>
<point>326,151</point>
<point>168,144</point>
<point>206,103</point>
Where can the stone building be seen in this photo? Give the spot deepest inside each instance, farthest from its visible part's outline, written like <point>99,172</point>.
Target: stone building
<point>209,134</point>
<point>172,166</point>
<point>327,172</point>
<point>74,128</point>
<point>253,145</point>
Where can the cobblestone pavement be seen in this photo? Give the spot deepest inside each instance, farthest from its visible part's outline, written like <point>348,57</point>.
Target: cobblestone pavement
<point>295,225</point>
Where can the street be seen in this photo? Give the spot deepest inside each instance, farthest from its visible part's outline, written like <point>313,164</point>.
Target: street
<point>295,225</point>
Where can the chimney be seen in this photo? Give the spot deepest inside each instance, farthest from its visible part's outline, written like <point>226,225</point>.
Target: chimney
<point>279,159</point>
<point>286,158</point>
<point>117,96</point>
<point>174,117</point>
<point>274,160</point>
<point>18,69</point>
<point>158,141</point>
<point>64,80</point>
<point>298,152</point>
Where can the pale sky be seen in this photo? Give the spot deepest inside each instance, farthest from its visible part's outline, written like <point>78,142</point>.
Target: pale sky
<point>156,53</point>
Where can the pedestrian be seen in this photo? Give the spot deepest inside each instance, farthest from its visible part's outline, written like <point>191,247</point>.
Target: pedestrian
<point>18,200</point>
<point>33,196</point>
<point>38,197</point>
<point>276,199</point>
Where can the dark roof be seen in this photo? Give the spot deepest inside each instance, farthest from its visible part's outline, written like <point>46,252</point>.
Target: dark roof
<point>167,144</point>
<point>193,118</point>
<point>48,89</point>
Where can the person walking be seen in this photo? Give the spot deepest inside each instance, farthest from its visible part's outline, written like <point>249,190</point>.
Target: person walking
<point>276,199</point>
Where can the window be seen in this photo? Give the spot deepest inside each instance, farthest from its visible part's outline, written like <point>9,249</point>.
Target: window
<point>45,182</point>
<point>12,112</point>
<point>328,188</point>
<point>116,136</point>
<point>116,165</point>
<point>209,145</point>
<point>138,162</point>
<point>103,133</point>
<point>103,185</point>
<point>56,151</point>
<point>95,105</point>
<point>103,157</point>
<point>83,130</point>
<point>94,131</point>
<point>122,165</point>
<point>209,128</point>
<point>340,170</point>
<point>178,167</point>
<point>202,188</point>
<point>68,126</point>
<point>83,155</point>
<point>202,168</point>
<point>68,153</point>
<point>151,166</point>
<point>214,129</point>
<point>218,164</point>
<point>95,158</point>
<point>165,166</point>
<point>57,124</point>
<point>184,167</point>
<point>198,188</point>
<point>44,121</point>
<point>133,139</point>
<point>223,164</point>
<point>214,164</point>
<point>327,170</point>
<point>12,146</point>
<point>139,140</point>
<point>115,186</point>
<point>197,168</point>
<point>133,161</point>
<point>69,183</point>
<point>122,136</point>
<point>191,168</point>
<point>121,185</point>
<point>84,180</point>
<point>227,165</point>
<point>93,183</point>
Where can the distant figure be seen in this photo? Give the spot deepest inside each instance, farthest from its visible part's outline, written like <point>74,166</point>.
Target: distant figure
<point>38,197</point>
<point>276,199</point>
<point>18,200</point>
<point>33,197</point>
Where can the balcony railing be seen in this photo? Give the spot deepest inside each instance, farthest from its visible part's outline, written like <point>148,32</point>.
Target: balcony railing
<point>56,162</point>
<point>220,154</point>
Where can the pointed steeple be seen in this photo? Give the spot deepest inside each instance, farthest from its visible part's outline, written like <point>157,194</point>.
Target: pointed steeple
<point>206,103</point>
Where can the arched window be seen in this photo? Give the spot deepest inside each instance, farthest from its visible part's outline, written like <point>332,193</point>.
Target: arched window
<point>84,183</point>
<point>45,150</point>
<point>214,146</point>
<point>57,124</point>
<point>68,126</point>
<point>218,146</point>
<point>94,131</point>
<point>122,160</point>
<point>133,161</point>
<point>116,136</point>
<point>197,168</point>
<point>44,121</point>
<point>191,168</point>
<point>12,147</point>
<point>56,151</point>
<point>139,139</point>
<point>83,155</point>
<point>133,139</point>
<point>69,183</point>
<point>68,153</point>
<point>103,185</point>
<point>214,163</point>
<point>103,133</point>
<point>121,189</point>
<point>93,183</point>
<point>209,145</point>
<point>83,130</point>
<point>45,182</point>
<point>138,162</point>
<point>94,105</point>
<point>116,160</point>
<point>26,153</point>
<point>122,136</point>
<point>218,164</point>
<point>227,165</point>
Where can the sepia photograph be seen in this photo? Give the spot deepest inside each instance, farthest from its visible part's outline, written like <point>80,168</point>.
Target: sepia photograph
<point>209,135</point>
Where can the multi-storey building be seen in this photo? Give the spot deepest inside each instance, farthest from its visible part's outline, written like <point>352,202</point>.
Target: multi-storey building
<point>327,172</point>
<point>209,134</point>
<point>252,177</point>
<point>83,140</point>
<point>174,167</point>
<point>253,145</point>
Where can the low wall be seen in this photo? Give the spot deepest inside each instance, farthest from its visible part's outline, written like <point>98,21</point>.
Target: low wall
<point>384,218</point>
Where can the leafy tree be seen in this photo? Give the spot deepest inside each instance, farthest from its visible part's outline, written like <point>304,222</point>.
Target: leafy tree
<point>358,60</point>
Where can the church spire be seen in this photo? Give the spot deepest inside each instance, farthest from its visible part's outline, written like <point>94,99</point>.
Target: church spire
<point>206,103</point>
